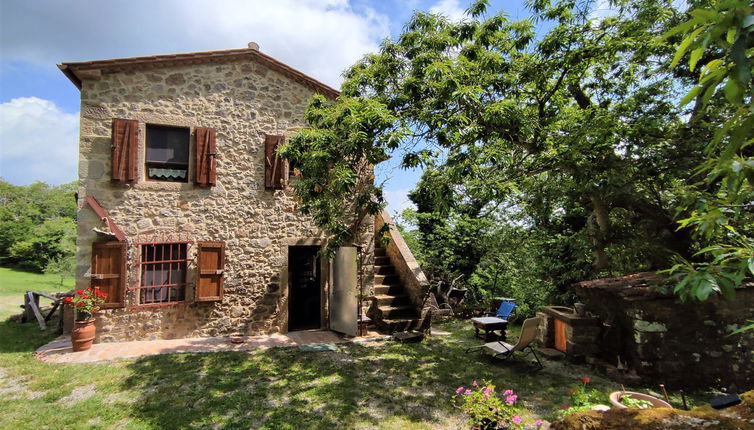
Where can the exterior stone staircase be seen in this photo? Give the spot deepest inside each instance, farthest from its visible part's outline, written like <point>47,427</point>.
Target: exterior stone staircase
<point>391,310</point>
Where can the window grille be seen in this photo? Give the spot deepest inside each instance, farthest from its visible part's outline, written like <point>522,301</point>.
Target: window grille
<point>163,273</point>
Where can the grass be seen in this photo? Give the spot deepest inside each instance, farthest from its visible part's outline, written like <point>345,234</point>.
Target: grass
<point>14,283</point>
<point>383,385</point>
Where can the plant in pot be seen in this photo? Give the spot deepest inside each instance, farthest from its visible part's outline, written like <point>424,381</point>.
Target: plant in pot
<point>629,399</point>
<point>85,304</point>
<point>487,409</point>
<point>582,397</point>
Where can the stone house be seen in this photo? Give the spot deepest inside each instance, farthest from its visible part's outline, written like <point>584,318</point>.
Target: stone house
<point>185,216</point>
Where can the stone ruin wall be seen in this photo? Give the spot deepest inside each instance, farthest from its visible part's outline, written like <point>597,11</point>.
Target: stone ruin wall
<point>244,101</point>
<point>680,344</point>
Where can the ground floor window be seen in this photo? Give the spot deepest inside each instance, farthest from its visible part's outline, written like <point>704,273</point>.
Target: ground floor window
<point>163,273</point>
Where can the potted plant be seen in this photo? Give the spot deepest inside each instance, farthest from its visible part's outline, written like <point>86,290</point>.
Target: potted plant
<point>85,304</point>
<point>486,409</point>
<point>582,397</point>
<point>629,399</point>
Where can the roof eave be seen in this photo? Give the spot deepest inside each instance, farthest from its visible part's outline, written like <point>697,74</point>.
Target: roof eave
<point>70,75</point>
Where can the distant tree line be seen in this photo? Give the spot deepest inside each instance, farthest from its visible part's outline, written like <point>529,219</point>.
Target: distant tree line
<point>38,227</point>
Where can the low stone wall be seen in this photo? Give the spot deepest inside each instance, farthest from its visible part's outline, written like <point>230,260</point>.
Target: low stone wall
<point>582,333</point>
<point>668,341</point>
<point>414,281</point>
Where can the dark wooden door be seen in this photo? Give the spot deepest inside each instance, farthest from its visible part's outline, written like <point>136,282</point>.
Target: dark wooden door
<point>304,288</point>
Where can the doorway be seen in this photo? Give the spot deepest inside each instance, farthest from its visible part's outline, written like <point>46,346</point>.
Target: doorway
<point>304,288</point>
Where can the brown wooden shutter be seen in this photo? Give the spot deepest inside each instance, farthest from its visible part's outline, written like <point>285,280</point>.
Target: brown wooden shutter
<point>206,147</point>
<point>125,145</point>
<point>109,271</point>
<point>210,264</point>
<point>275,167</point>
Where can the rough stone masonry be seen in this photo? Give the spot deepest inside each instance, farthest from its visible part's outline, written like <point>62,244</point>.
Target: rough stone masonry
<point>243,100</point>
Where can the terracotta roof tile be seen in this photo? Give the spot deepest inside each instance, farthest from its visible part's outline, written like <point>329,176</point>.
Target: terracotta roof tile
<point>71,70</point>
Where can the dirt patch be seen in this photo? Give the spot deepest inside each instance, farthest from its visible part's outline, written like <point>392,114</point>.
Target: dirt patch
<point>16,387</point>
<point>78,394</point>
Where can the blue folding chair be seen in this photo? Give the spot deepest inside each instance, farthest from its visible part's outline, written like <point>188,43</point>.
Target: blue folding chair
<point>504,311</point>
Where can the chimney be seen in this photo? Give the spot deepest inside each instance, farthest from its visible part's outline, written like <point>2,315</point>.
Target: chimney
<point>254,46</point>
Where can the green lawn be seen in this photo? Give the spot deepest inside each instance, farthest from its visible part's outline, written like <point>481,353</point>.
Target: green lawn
<point>383,385</point>
<point>14,283</point>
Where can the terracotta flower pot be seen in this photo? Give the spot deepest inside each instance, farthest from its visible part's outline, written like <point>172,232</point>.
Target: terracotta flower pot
<point>82,335</point>
<point>656,403</point>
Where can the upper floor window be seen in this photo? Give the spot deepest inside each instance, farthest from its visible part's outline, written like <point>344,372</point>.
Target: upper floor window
<point>167,155</point>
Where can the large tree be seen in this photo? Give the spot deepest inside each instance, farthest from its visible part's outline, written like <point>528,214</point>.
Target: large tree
<point>576,129</point>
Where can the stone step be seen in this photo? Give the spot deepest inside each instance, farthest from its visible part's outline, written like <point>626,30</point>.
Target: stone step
<point>380,252</point>
<point>384,270</point>
<point>396,325</point>
<point>388,290</point>
<point>382,261</point>
<point>398,312</point>
<point>386,279</point>
<point>392,300</point>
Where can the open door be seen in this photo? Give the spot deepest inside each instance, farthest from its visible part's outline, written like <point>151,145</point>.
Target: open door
<point>343,291</point>
<point>304,288</point>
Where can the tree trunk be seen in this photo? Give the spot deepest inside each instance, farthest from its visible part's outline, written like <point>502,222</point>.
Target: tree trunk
<point>599,229</point>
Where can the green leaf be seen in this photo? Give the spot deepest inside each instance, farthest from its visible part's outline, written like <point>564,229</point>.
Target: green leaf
<point>743,329</point>
<point>696,54</point>
<point>684,46</point>
<point>733,91</point>
<point>751,265</point>
<point>730,37</point>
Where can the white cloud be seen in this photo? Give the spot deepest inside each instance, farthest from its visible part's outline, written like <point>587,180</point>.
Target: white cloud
<point>318,37</point>
<point>38,142</point>
<point>398,201</point>
<point>449,8</point>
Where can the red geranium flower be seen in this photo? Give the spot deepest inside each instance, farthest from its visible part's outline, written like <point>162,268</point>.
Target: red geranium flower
<point>585,379</point>
<point>79,304</point>
<point>94,311</point>
<point>68,299</point>
<point>568,392</point>
<point>80,292</point>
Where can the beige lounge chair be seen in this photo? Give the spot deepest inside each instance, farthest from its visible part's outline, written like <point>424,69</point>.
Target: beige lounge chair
<point>505,350</point>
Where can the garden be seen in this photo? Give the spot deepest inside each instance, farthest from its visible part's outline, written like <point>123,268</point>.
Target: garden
<point>434,384</point>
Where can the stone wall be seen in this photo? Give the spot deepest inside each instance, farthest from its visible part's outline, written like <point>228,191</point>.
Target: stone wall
<point>243,101</point>
<point>680,344</point>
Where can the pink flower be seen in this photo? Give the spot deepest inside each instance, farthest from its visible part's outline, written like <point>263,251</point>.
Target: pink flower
<point>538,423</point>
<point>507,392</point>
<point>517,419</point>
<point>511,399</point>
<point>467,392</point>
<point>474,384</point>
<point>488,390</point>
<point>458,390</point>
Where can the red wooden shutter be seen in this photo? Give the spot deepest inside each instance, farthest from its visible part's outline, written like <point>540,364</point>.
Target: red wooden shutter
<point>210,263</point>
<point>109,271</point>
<point>275,167</point>
<point>124,146</point>
<point>206,164</point>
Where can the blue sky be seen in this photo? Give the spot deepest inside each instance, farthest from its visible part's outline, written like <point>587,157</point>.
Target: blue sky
<point>39,107</point>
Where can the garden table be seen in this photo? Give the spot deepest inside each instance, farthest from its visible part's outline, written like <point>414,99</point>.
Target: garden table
<point>489,325</point>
